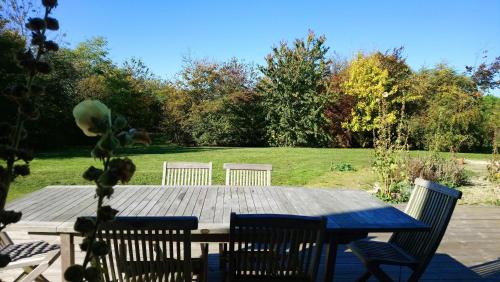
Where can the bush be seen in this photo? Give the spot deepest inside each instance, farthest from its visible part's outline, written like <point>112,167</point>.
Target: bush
<point>342,167</point>
<point>494,171</point>
<point>437,169</point>
<point>400,192</point>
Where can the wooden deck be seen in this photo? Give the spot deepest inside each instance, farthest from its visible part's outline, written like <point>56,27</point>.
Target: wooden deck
<point>470,251</point>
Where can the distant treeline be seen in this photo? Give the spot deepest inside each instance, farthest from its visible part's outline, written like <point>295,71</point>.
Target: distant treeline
<point>300,97</point>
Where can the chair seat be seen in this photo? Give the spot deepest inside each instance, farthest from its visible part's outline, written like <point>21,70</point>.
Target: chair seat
<point>145,266</point>
<point>381,252</point>
<point>27,250</point>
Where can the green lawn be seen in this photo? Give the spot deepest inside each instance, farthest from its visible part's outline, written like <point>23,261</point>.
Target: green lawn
<point>291,166</point>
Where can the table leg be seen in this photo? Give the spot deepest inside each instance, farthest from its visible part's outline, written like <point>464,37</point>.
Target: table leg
<point>67,252</point>
<point>330,258</point>
<point>333,242</point>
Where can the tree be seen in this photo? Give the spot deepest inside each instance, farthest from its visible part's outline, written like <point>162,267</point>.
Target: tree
<point>294,93</point>
<point>131,90</point>
<point>215,104</point>
<point>368,82</point>
<point>339,107</point>
<point>486,75</point>
<point>449,116</point>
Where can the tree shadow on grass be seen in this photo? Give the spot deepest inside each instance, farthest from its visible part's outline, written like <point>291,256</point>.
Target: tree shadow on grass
<point>82,152</point>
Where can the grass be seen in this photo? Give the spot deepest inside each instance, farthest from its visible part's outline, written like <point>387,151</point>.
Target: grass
<point>310,167</point>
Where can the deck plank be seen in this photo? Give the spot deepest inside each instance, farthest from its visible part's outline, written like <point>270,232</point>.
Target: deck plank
<point>462,256</point>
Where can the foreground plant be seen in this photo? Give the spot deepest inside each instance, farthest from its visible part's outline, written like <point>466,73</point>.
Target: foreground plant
<point>15,158</point>
<point>95,119</point>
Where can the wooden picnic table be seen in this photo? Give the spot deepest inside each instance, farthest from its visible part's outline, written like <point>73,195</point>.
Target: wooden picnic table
<point>352,214</point>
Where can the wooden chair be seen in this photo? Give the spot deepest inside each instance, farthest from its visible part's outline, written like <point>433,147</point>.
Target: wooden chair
<point>430,203</point>
<point>248,174</point>
<point>32,257</point>
<point>151,249</point>
<point>184,173</point>
<point>274,247</point>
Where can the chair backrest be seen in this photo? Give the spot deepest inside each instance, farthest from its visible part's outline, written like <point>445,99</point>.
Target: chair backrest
<point>148,248</point>
<point>275,246</point>
<point>432,204</point>
<point>248,174</point>
<point>186,173</point>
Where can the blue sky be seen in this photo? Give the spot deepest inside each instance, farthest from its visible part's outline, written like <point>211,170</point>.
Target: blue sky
<point>162,32</point>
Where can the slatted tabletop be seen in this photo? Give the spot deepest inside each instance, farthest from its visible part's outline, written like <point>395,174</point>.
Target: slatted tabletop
<point>55,208</point>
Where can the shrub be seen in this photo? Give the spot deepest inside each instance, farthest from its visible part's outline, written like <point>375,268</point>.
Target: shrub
<point>400,192</point>
<point>342,167</point>
<point>435,168</point>
<point>494,171</point>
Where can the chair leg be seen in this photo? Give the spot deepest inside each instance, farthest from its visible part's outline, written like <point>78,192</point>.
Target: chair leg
<point>415,276</point>
<point>20,276</point>
<point>41,278</point>
<point>222,256</point>
<point>378,272</point>
<point>39,269</point>
<point>364,277</point>
<point>26,271</point>
<point>204,263</point>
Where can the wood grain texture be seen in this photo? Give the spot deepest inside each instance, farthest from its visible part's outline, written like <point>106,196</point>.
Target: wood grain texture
<point>469,252</point>
<point>347,210</point>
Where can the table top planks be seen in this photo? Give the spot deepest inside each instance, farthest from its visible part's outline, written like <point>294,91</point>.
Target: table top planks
<point>54,209</point>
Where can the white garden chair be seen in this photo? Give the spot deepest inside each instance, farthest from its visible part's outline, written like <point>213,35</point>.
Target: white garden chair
<point>32,257</point>
<point>248,174</point>
<point>186,173</point>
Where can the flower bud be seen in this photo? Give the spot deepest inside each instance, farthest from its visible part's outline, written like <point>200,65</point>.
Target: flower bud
<point>25,155</point>
<point>6,152</point>
<point>74,273</point>
<point>92,274</point>
<point>52,23</point>
<point>107,213</point>
<point>104,191</point>
<point>92,173</point>
<point>100,248</point>
<point>49,3</point>
<point>107,179</point>
<point>51,45</point>
<point>28,55</point>
<point>9,217</point>
<point>28,64</point>
<point>123,169</point>
<point>84,225</point>
<point>119,123</point>
<point>84,246</point>
<point>21,170</point>
<point>93,117</point>
<point>38,39</point>
<point>35,24</point>
<point>4,260</point>
<point>43,67</point>
<point>141,137</point>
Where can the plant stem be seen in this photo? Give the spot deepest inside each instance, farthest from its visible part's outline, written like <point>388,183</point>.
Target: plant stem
<point>92,237</point>
<point>17,136</point>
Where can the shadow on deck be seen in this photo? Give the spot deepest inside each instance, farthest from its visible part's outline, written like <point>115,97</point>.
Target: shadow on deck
<point>469,252</point>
